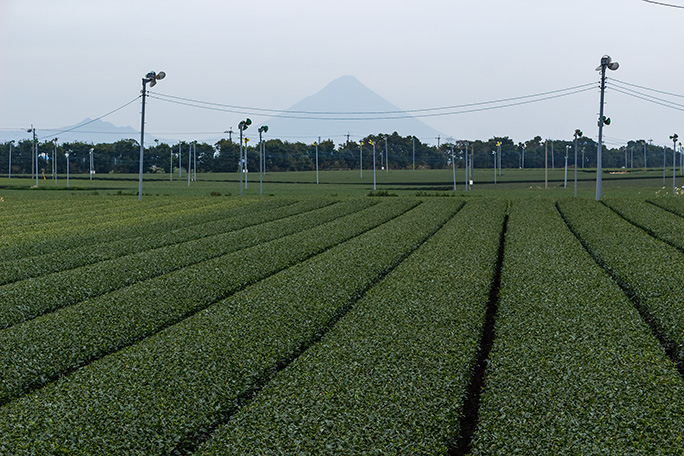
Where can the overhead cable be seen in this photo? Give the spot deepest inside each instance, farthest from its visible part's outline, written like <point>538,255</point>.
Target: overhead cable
<point>91,121</point>
<point>213,107</point>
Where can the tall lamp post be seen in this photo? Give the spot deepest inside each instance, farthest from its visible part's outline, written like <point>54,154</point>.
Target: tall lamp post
<point>606,62</point>
<point>578,135</point>
<point>242,126</point>
<point>67,153</point>
<point>316,144</point>
<point>453,164</point>
<point>373,144</point>
<point>386,156</point>
<point>565,183</point>
<point>262,129</point>
<point>361,159</point>
<point>91,162</point>
<point>9,172</point>
<point>467,167</point>
<point>152,78</point>
<point>34,155</point>
<point>674,139</point>
<point>54,162</point>
<point>498,152</point>
<point>523,156</point>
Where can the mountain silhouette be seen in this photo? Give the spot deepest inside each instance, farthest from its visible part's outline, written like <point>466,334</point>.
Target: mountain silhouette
<point>327,114</point>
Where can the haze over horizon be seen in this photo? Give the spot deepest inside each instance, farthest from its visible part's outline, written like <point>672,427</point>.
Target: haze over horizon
<point>81,59</point>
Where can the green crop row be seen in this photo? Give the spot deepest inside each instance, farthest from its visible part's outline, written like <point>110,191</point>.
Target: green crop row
<point>39,350</point>
<point>391,376</point>
<point>163,393</point>
<point>36,227</point>
<point>27,299</point>
<point>647,268</point>
<point>151,236</point>
<point>658,222</point>
<point>573,368</point>
<point>23,212</point>
<point>674,205</point>
<point>79,232</point>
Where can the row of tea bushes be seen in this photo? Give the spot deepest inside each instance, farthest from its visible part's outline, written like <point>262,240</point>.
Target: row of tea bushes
<point>27,299</point>
<point>39,350</point>
<point>653,219</point>
<point>151,236</point>
<point>117,224</point>
<point>648,269</point>
<point>167,391</point>
<point>34,214</point>
<point>674,205</point>
<point>391,376</point>
<point>573,369</point>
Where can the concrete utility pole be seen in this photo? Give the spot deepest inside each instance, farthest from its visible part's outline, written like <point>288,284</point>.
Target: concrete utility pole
<point>386,156</point>
<point>546,164</point>
<point>606,62</point>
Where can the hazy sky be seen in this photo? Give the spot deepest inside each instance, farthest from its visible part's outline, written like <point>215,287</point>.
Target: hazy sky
<point>62,61</point>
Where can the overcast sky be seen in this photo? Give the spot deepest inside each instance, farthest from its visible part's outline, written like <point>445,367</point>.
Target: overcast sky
<point>62,61</point>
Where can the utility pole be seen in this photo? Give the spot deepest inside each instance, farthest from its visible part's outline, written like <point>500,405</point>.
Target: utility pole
<point>316,144</point>
<point>361,159</point>
<point>413,144</point>
<point>453,165</point>
<point>674,139</point>
<point>578,135</point>
<point>467,167</point>
<point>386,156</point>
<point>606,62</point>
<point>546,164</point>
<point>34,153</point>
<point>523,156</point>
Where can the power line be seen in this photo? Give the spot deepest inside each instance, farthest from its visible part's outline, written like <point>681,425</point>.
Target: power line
<point>442,108</point>
<point>647,88</point>
<point>664,4</point>
<point>649,99</point>
<point>91,121</point>
<point>586,88</point>
<point>647,95</point>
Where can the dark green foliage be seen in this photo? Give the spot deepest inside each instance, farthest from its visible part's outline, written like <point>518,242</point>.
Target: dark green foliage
<point>388,378</point>
<point>573,369</point>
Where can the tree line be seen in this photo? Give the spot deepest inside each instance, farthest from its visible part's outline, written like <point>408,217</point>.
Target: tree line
<point>224,156</point>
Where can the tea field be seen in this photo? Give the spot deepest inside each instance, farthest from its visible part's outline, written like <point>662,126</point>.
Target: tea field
<point>349,325</point>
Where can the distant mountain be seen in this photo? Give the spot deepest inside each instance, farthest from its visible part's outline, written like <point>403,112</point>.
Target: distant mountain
<point>340,100</point>
<point>87,130</point>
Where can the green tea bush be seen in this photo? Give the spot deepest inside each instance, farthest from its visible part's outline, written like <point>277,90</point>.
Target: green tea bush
<point>573,369</point>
